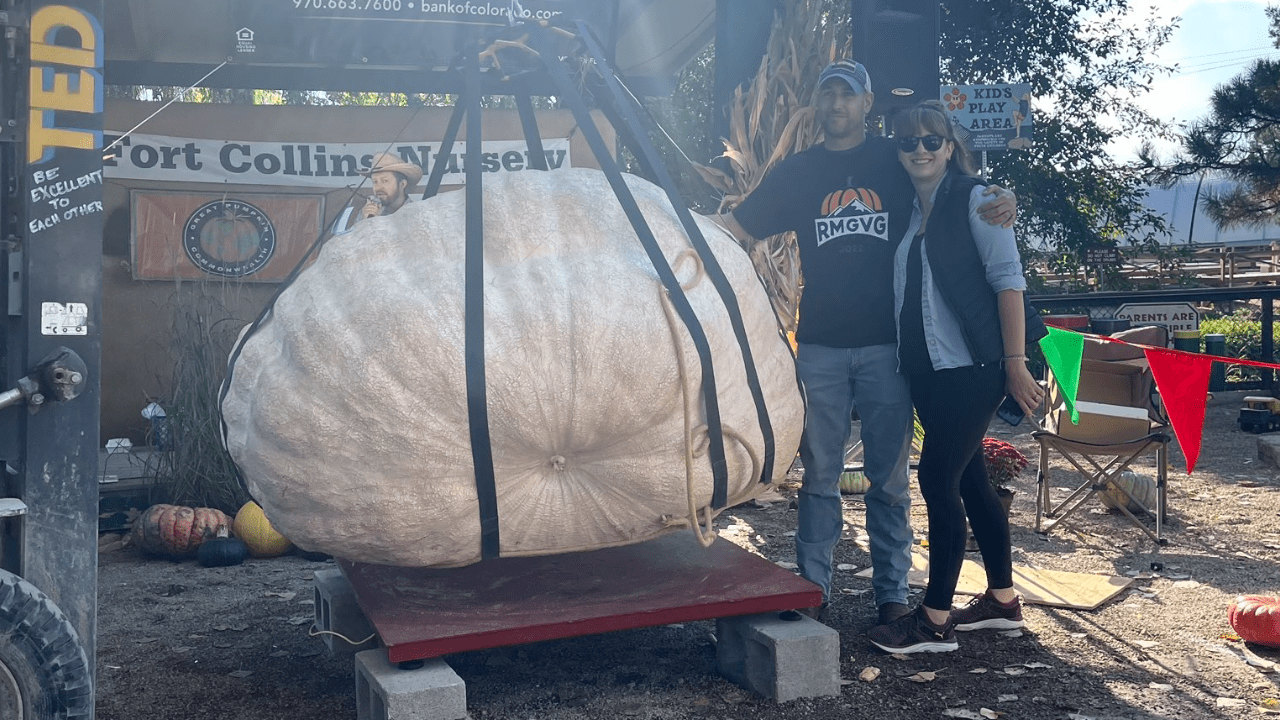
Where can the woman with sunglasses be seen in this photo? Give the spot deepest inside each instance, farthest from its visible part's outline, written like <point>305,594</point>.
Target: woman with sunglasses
<point>958,289</point>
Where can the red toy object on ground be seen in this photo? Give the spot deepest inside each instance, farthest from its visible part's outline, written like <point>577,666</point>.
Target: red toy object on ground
<point>1256,619</point>
<point>423,612</point>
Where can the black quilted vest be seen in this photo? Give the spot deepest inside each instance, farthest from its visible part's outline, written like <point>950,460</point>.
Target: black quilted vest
<point>961,276</point>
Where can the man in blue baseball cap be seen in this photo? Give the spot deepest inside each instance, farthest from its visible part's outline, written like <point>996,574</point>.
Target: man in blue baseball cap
<point>848,199</point>
<point>851,72</point>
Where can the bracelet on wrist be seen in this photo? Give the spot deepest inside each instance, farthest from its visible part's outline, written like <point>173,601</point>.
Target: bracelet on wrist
<point>1007,358</point>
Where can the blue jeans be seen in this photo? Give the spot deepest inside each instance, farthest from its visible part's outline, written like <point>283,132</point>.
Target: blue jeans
<point>835,380</point>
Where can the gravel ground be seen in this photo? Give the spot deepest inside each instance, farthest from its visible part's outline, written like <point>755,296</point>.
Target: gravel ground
<point>179,640</point>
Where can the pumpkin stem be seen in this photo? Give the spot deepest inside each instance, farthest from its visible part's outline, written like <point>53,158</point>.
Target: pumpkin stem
<point>223,531</point>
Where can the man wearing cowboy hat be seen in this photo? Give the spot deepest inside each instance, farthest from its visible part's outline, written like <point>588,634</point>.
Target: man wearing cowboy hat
<point>391,179</point>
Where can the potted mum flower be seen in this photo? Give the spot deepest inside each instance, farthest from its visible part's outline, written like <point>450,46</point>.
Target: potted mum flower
<point>1004,462</point>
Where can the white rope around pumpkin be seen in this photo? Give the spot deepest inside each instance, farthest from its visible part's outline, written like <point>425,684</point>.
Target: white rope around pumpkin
<point>704,538</point>
<point>317,632</point>
<point>669,311</point>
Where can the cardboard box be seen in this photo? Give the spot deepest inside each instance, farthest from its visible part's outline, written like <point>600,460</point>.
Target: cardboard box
<point>1100,423</point>
<point>1115,382</point>
<point>1114,399</point>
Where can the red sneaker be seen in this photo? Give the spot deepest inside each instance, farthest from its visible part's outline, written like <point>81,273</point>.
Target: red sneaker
<point>986,613</point>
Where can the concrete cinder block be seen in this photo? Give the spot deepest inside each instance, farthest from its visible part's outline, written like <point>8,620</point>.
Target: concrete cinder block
<point>1269,450</point>
<point>386,692</point>
<point>779,659</point>
<point>336,611</point>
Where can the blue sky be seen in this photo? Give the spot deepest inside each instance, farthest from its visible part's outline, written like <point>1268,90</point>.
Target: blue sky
<point>1215,41</point>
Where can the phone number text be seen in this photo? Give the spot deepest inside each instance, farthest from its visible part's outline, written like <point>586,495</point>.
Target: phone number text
<point>357,5</point>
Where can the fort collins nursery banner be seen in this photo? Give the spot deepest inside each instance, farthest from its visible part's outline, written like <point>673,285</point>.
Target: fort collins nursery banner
<point>305,164</point>
<point>249,236</point>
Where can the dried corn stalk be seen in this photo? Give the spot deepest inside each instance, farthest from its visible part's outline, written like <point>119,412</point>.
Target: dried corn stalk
<point>772,118</point>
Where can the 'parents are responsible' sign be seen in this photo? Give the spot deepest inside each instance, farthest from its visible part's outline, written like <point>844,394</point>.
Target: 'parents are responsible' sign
<point>1174,316</point>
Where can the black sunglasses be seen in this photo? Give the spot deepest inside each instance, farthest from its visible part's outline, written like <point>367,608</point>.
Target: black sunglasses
<point>932,143</point>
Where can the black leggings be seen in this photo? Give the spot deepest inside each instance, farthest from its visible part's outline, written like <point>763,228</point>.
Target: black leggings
<point>955,407</point>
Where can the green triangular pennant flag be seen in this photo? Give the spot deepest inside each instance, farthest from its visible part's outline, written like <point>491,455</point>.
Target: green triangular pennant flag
<point>1062,350</point>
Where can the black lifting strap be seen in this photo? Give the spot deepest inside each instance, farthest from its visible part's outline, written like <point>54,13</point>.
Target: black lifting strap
<point>477,395</point>
<point>624,104</point>
<point>532,138</point>
<point>568,92</point>
<point>446,147</point>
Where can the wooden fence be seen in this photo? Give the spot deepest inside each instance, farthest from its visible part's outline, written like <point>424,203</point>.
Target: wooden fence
<point>1207,266</point>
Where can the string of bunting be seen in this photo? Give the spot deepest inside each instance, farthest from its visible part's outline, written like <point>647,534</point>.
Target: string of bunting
<point>1182,378</point>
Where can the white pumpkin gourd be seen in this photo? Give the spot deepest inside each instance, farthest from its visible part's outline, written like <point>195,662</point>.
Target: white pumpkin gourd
<point>347,409</point>
<point>854,482</point>
<point>1141,488</point>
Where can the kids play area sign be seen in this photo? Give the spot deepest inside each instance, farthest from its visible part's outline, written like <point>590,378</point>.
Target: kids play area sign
<point>990,117</point>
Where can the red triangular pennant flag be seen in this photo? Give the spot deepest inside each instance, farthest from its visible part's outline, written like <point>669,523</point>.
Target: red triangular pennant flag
<point>1183,381</point>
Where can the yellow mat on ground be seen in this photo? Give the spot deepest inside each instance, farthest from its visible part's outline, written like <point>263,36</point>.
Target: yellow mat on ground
<point>1056,588</point>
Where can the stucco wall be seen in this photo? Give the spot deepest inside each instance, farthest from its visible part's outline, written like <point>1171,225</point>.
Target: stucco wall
<point>138,317</point>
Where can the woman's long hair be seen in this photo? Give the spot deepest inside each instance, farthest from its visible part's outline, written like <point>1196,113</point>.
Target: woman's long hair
<point>930,118</point>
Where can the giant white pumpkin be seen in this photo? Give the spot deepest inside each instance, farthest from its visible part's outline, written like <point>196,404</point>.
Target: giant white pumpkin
<point>347,409</point>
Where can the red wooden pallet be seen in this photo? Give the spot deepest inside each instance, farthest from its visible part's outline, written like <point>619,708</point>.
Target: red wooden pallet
<point>423,613</point>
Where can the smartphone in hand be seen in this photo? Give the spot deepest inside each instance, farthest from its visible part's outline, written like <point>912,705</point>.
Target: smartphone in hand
<point>1010,411</point>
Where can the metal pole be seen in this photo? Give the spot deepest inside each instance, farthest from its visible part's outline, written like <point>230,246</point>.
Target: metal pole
<point>53,167</point>
<point>1195,204</point>
<point>1268,341</point>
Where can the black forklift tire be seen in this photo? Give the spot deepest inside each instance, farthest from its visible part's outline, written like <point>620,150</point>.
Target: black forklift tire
<point>44,673</point>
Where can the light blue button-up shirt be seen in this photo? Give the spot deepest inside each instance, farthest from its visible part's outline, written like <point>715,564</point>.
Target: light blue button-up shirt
<point>942,331</point>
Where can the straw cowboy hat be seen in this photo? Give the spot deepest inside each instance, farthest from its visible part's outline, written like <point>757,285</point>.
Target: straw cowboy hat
<point>386,162</point>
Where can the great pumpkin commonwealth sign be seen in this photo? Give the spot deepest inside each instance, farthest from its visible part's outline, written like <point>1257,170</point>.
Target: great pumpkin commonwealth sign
<point>254,237</point>
<point>231,238</point>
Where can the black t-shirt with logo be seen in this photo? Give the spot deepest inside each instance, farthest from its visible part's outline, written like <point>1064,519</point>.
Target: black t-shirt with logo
<point>849,209</point>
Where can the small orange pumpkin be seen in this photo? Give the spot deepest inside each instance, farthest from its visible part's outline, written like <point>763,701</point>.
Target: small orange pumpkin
<point>176,530</point>
<point>1256,619</point>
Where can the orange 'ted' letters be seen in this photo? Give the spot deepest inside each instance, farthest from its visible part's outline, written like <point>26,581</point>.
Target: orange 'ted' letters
<point>78,90</point>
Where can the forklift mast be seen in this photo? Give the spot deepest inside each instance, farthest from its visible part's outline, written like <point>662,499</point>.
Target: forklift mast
<point>51,222</point>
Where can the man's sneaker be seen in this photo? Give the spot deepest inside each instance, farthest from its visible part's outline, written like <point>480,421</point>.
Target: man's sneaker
<point>891,611</point>
<point>985,612</point>
<point>914,633</point>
